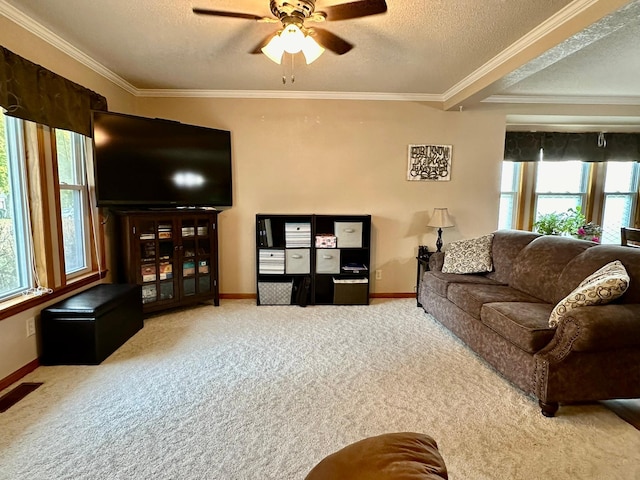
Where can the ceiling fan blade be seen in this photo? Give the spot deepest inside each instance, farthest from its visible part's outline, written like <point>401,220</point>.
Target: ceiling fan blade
<point>221,13</point>
<point>362,8</point>
<point>263,43</point>
<point>331,41</point>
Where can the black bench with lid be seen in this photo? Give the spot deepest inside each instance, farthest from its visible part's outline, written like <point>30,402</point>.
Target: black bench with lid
<point>86,328</point>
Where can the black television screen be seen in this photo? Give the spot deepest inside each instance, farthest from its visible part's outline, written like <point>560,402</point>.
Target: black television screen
<point>151,162</point>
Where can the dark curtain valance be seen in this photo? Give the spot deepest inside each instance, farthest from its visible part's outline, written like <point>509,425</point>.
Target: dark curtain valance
<point>31,92</point>
<point>587,147</point>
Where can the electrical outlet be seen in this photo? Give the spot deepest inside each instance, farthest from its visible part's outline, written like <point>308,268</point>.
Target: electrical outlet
<point>31,326</point>
<point>378,274</point>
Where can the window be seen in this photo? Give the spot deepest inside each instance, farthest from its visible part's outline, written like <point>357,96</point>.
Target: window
<point>15,243</point>
<point>607,193</point>
<point>47,238</point>
<point>620,187</point>
<point>509,187</point>
<point>74,204</point>
<point>560,186</point>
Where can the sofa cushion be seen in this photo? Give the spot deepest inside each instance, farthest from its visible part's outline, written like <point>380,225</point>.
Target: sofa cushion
<point>391,456</point>
<point>471,297</point>
<point>538,266</point>
<point>506,246</point>
<point>601,287</point>
<point>524,324</point>
<point>592,259</point>
<point>438,282</point>
<point>469,256</point>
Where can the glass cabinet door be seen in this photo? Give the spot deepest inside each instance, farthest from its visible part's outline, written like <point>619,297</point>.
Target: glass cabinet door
<point>157,259</point>
<point>196,256</point>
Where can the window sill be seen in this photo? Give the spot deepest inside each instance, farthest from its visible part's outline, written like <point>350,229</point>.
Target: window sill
<point>19,304</point>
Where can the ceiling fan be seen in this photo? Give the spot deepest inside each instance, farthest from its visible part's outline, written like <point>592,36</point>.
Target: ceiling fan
<point>294,36</point>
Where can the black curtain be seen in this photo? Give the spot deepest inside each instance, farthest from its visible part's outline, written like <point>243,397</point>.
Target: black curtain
<point>558,146</point>
<point>31,92</point>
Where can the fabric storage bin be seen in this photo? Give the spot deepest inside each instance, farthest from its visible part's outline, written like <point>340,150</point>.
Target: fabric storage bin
<point>271,261</point>
<point>298,260</point>
<point>275,293</point>
<point>349,234</point>
<point>86,328</point>
<point>353,291</point>
<point>327,260</point>
<point>297,235</point>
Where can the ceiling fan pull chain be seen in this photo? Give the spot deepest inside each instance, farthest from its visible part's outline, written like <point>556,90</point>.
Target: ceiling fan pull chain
<point>293,75</point>
<point>284,72</point>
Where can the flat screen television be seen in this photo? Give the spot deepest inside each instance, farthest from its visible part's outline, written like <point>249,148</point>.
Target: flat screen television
<point>154,163</point>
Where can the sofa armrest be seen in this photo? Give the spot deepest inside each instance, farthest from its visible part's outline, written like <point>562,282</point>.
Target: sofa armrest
<point>436,260</point>
<point>596,328</point>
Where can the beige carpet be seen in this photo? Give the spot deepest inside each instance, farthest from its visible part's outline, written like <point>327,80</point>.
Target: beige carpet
<point>246,392</point>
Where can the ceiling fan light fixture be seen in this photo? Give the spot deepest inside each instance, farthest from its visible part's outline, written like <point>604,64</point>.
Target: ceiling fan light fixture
<point>311,49</point>
<point>292,38</point>
<point>274,49</point>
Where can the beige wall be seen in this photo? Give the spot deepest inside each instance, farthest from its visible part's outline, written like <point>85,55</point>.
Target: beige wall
<point>321,156</point>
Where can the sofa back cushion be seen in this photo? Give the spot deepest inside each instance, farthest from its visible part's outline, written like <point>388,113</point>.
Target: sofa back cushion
<point>594,258</point>
<point>538,267</point>
<point>506,246</point>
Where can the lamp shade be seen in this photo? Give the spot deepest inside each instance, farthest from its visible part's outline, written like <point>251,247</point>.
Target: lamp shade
<point>440,218</point>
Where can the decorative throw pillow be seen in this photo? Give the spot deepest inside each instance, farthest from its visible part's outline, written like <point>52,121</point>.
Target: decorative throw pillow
<point>602,286</point>
<point>469,256</point>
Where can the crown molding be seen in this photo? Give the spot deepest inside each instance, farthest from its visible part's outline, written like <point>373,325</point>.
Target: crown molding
<point>563,99</point>
<point>302,95</point>
<point>563,16</point>
<point>51,38</point>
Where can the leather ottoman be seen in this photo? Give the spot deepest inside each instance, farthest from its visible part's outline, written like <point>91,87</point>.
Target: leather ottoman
<point>392,456</point>
<point>86,328</point>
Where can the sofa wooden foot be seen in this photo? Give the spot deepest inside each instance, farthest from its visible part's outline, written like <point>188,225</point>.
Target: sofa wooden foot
<point>548,409</point>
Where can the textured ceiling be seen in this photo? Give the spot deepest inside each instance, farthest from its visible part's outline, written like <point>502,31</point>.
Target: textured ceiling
<point>426,47</point>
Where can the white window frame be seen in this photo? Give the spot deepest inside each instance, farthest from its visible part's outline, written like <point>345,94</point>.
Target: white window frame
<point>82,217</point>
<point>584,182</point>
<point>513,193</point>
<point>16,158</point>
<point>631,194</point>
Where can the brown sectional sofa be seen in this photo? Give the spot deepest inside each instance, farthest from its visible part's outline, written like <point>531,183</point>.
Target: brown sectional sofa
<point>502,315</point>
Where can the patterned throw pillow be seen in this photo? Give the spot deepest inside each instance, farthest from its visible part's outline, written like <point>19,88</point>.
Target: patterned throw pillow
<point>469,256</point>
<point>602,286</point>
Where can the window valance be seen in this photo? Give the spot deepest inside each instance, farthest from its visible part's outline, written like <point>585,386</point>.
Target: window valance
<point>31,92</point>
<point>587,147</point>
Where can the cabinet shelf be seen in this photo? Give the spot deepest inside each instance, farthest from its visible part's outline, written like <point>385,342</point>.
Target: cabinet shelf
<point>299,256</point>
<point>153,250</point>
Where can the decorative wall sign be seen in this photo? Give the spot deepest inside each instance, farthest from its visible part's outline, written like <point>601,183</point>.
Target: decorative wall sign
<point>429,162</point>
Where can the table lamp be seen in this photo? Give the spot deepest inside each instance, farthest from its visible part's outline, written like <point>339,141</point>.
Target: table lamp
<point>440,219</point>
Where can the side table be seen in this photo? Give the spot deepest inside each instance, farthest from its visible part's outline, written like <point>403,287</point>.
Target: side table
<point>422,266</point>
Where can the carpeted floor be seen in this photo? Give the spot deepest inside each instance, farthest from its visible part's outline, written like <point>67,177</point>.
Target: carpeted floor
<point>245,392</point>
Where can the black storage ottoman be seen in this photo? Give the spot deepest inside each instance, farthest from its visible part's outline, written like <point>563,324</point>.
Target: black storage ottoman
<point>86,328</point>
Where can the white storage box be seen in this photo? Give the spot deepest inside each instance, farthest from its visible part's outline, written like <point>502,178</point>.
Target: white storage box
<point>271,261</point>
<point>297,235</point>
<point>298,260</point>
<point>327,260</point>
<point>349,234</point>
